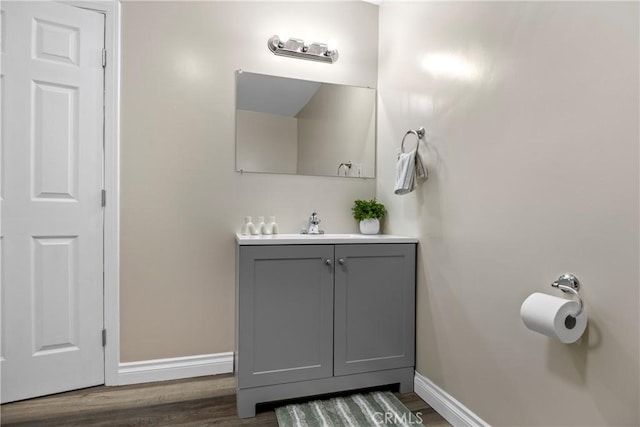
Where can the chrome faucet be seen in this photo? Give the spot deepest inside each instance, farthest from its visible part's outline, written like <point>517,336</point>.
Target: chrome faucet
<point>313,225</point>
<point>347,168</point>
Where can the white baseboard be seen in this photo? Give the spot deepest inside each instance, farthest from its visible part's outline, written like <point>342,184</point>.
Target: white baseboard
<point>174,368</point>
<point>446,405</point>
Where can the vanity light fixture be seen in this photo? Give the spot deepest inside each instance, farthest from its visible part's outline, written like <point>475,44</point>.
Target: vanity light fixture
<point>295,48</point>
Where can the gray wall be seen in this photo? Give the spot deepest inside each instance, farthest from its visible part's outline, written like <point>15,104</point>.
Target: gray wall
<point>181,197</point>
<point>534,172</point>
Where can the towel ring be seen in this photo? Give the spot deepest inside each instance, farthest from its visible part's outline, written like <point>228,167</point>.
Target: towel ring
<point>419,133</point>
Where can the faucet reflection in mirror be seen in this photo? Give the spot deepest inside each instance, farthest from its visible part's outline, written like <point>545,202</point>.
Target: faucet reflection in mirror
<point>347,168</point>
<point>295,48</point>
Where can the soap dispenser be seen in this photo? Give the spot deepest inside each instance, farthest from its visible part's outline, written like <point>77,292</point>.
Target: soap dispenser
<point>262,227</point>
<point>248,227</point>
<point>272,226</point>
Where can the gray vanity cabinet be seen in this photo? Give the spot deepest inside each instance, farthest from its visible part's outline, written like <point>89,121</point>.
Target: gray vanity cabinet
<point>374,307</point>
<point>321,318</point>
<point>285,314</point>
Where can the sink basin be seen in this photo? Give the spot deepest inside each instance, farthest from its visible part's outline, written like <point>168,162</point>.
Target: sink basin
<point>344,236</point>
<point>302,239</point>
<point>318,236</point>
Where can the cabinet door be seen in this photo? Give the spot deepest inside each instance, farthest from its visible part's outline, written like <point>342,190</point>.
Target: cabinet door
<point>285,318</point>
<point>374,307</point>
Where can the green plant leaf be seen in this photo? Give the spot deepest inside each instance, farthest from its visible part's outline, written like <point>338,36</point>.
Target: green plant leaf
<point>366,209</point>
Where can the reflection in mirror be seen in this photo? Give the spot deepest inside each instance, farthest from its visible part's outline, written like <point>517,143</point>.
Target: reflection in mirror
<point>292,126</point>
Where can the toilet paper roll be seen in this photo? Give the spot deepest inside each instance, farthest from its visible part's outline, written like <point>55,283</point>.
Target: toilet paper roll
<point>552,316</point>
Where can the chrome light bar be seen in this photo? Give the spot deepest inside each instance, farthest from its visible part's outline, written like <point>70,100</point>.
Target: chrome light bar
<point>295,48</point>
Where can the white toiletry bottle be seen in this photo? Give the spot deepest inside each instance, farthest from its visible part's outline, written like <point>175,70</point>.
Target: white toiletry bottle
<point>272,225</point>
<point>254,230</point>
<point>261,227</point>
<point>247,226</point>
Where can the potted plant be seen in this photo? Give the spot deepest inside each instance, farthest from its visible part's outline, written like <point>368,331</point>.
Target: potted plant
<point>368,212</point>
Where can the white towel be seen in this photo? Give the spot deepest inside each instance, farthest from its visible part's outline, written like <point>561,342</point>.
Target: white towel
<point>409,167</point>
<point>405,173</point>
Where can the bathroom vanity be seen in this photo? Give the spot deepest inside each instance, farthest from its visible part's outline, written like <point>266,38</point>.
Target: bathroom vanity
<point>322,314</point>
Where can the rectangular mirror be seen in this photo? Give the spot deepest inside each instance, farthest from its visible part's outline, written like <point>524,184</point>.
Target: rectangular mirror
<point>291,126</point>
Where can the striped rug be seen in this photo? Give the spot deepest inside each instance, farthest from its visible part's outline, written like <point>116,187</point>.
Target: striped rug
<point>359,410</point>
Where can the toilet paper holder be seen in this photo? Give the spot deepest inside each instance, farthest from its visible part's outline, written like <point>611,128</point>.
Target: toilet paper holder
<point>568,283</point>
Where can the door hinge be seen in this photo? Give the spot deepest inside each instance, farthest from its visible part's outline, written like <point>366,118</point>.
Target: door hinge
<point>104,337</point>
<point>104,198</point>
<point>104,58</point>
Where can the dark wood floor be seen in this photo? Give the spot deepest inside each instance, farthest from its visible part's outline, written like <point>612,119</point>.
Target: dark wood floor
<point>191,402</point>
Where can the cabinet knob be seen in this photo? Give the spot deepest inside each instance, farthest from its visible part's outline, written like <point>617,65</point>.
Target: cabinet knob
<point>341,261</point>
<point>327,261</point>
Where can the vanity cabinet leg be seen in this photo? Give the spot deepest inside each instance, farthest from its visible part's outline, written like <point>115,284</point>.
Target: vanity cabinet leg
<point>246,406</point>
<point>406,382</point>
<point>406,386</point>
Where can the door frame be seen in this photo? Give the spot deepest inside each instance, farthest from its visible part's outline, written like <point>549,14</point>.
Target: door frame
<point>111,265</point>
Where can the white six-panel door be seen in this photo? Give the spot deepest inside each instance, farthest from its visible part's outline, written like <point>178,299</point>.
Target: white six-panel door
<point>51,216</point>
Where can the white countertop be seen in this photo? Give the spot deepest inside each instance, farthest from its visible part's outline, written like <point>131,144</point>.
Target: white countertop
<point>322,239</point>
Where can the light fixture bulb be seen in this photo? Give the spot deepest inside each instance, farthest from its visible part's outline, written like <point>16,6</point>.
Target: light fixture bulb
<point>332,44</point>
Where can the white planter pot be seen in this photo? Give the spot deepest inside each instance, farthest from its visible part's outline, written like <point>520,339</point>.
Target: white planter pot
<point>370,226</point>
